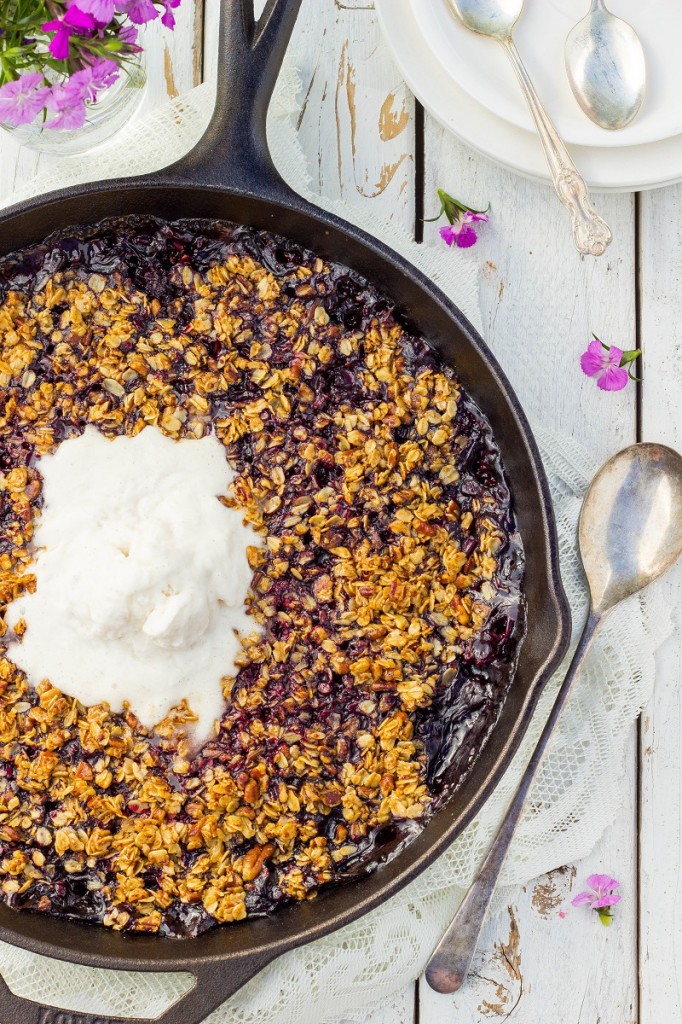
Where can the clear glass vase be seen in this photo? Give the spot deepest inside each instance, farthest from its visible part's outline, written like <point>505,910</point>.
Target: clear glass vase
<point>113,108</point>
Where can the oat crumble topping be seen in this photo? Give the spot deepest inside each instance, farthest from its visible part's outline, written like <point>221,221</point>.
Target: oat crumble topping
<point>387,590</point>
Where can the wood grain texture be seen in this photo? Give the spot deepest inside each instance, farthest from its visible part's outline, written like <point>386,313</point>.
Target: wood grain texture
<point>356,120</point>
<point>661,728</point>
<point>535,967</point>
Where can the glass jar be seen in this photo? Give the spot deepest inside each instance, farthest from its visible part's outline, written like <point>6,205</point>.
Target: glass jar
<point>113,108</point>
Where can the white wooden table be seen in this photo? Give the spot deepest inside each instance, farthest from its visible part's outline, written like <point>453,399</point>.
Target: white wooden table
<point>540,302</point>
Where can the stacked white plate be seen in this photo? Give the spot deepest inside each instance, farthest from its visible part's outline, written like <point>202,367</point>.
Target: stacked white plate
<point>468,84</point>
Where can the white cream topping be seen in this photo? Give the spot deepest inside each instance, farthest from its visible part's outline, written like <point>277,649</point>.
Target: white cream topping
<point>142,576</point>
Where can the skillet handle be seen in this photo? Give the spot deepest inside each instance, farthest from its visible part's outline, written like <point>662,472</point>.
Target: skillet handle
<point>214,983</point>
<point>233,153</point>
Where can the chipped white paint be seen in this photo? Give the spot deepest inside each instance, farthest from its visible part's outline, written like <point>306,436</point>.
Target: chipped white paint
<point>540,302</point>
<point>661,727</point>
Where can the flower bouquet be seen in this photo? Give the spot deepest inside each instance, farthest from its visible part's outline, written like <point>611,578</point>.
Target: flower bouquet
<point>59,59</point>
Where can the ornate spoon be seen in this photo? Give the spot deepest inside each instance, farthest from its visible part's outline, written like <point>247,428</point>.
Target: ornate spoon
<point>630,533</point>
<point>605,67</point>
<point>496,18</point>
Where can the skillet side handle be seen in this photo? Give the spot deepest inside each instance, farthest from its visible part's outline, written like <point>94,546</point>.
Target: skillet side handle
<point>214,983</point>
<point>233,153</point>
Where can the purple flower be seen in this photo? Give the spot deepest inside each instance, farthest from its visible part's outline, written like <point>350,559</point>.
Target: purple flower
<point>104,73</point>
<point>101,10</point>
<point>600,896</point>
<point>460,231</point>
<point>128,35</point>
<point>74,22</point>
<point>68,99</point>
<point>21,101</point>
<point>139,11</point>
<point>168,18</point>
<point>608,364</point>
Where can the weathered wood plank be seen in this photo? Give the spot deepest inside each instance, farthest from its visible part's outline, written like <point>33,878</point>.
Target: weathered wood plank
<point>540,303</point>
<point>661,730</point>
<point>356,121</point>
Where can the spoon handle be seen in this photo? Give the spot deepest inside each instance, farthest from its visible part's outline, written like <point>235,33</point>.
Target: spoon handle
<point>449,964</point>
<point>591,234</point>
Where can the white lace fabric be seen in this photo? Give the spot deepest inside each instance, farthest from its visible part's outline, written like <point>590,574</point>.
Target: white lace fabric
<point>578,793</point>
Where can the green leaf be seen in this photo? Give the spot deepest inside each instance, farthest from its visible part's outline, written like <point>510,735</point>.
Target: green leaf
<point>452,208</point>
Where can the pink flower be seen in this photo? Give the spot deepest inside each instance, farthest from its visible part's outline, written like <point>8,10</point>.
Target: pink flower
<point>168,18</point>
<point>68,100</point>
<point>104,73</point>
<point>460,232</point>
<point>608,364</point>
<point>129,35</point>
<point>139,11</point>
<point>600,896</point>
<point>101,10</point>
<point>21,101</point>
<point>74,22</point>
<point>562,914</point>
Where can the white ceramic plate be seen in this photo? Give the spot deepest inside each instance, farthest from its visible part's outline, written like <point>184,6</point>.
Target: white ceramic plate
<point>483,70</point>
<point>617,169</point>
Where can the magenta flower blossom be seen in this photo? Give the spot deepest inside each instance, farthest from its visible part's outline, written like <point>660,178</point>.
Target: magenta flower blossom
<point>129,35</point>
<point>104,73</point>
<point>68,99</point>
<point>139,11</point>
<point>74,22</point>
<point>21,101</point>
<point>460,232</point>
<point>101,10</point>
<point>600,896</point>
<point>168,18</point>
<point>608,364</point>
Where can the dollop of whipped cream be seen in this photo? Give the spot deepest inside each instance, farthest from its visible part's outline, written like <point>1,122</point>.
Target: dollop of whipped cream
<point>141,576</point>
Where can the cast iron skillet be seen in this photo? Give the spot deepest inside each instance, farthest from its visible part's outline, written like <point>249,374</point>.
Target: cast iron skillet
<point>230,176</point>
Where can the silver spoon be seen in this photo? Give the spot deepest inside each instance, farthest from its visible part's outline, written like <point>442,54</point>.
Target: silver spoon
<point>496,18</point>
<point>630,533</point>
<point>606,68</point>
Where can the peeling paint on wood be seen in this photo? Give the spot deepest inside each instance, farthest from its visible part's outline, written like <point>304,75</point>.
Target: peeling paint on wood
<point>392,122</point>
<point>171,87</point>
<point>546,898</point>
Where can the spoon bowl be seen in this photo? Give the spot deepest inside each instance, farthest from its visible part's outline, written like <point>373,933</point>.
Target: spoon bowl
<point>494,18</point>
<point>631,523</point>
<point>606,68</point>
